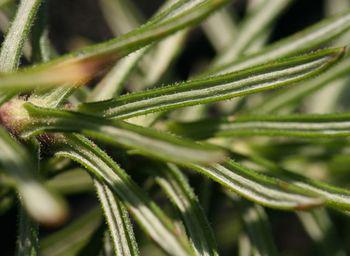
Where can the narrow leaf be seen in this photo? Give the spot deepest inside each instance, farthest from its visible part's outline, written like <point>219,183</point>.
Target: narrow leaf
<point>259,188</point>
<point>147,141</point>
<point>12,46</point>
<point>301,125</point>
<point>147,214</point>
<point>217,88</point>
<point>333,196</point>
<point>289,97</point>
<point>176,186</point>
<point>117,217</point>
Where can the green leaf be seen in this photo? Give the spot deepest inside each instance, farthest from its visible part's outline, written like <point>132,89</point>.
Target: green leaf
<point>176,186</point>
<point>147,141</point>
<point>12,46</point>
<point>43,206</point>
<point>291,96</point>
<point>335,197</point>
<point>259,188</point>
<point>43,51</point>
<point>119,225</point>
<point>298,125</point>
<point>306,40</point>
<point>218,87</point>
<point>252,27</point>
<point>157,225</point>
<point>80,66</point>
<point>11,49</point>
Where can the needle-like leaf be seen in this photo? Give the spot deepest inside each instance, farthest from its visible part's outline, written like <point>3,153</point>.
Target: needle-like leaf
<point>259,188</point>
<point>313,126</point>
<point>289,97</point>
<point>176,186</point>
<point>217,88</point>
<point>335,197</point>
<point>11,49</point>
<point>117,217</point>
<point>145,140</point>
<point>157,225</point>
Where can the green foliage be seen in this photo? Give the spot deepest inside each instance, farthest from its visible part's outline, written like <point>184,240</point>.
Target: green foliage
<point>124,143</point>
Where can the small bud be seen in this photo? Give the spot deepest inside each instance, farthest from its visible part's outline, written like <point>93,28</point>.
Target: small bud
<point>13,116</point>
